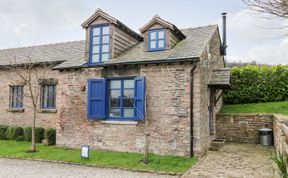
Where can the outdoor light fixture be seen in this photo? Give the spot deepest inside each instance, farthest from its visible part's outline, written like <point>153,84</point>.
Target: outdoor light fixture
<point>85,151</point>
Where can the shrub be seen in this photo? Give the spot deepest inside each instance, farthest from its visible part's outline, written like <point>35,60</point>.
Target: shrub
<point>20,138</point>
<point>12,133</point>
<point>28,134</point>
<point>3,129</point>
<point>39,134</point>
<point>50,136</point>
<point>254,84</point>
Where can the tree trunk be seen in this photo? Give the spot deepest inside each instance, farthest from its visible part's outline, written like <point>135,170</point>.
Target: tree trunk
<point>146,148</point>
<point>33,149</point>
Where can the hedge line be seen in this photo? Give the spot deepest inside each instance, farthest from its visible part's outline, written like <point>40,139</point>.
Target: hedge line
<point>20,134</point>
<point>254,84</point>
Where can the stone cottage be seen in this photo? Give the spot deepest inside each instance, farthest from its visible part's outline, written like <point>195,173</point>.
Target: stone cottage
<point>102,90</point>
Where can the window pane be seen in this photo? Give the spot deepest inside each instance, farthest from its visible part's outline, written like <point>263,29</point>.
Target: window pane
<point>161,44</point>
<point>105,30</point>
<point>128,83</point>
<point>105,48</point>
<point>96,40</point>
<point>128,112</point>
<point>105,39</point>
<point>45,96</point>
<point>152,35</point>
<point>128,98</point>
<point>114,112</point>
<point>161,35</point>
<point>95,58</point>
<point>115,84</point>
<point>96,31</point>
<point>95,49</point>
<point>105,57</point>
<point>115,96</point>
<point>152,44</point>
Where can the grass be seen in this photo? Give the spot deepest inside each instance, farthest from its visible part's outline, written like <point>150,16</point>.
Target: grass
<point>132,161</point>
<point>272,107</point>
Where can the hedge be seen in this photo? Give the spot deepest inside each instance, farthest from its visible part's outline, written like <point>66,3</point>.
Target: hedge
<point>3,129</point>
<point>50,136</point>
<point>39,134</point>
<point>13,133</point>
<point>254,84</point>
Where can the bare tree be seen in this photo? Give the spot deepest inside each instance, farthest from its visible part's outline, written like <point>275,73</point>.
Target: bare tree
<point>277,8</point>
<point>23,69</point>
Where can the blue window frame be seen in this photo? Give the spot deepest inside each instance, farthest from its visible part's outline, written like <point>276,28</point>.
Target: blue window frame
<point>99,44</point>
<point>116,98</point>
<point>16,97</point>
<point>48,98</point>
<point>121,98</point>
<point>156,39</point>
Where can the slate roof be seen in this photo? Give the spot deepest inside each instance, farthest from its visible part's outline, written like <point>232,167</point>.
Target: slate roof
<point>220,78</point>
<point>72,53</point>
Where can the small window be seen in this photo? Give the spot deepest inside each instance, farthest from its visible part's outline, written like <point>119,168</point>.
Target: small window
<point>99,44</point>
<point>16,97</point>
<point>48,98</point>
<point>157,40</point>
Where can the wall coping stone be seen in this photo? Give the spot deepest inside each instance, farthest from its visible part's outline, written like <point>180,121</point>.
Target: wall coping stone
<point>245,114</point>
<point>120,122</point>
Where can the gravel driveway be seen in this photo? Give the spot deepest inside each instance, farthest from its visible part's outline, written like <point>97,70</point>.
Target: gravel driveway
<point>14,168</point>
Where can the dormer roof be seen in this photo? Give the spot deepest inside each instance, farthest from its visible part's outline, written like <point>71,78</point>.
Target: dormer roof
<point>158,20</point>
<point>100,13</point>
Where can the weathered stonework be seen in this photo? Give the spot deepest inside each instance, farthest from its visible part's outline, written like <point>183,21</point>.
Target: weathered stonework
<point>23,117</point>
<point>242,128</point>
<point>280,132</point>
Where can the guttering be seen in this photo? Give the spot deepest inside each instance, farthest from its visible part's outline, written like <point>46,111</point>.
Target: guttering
<point>191,109</point>
<point>144,62</point>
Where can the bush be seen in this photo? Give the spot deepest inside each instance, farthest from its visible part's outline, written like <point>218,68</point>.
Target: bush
<point>50,136</point>
<point>3,129</point>
<point>20,138</point>
<point>254,84</point>
<point>12,133</point>
<point>39,134</point>
<point>28,134</point>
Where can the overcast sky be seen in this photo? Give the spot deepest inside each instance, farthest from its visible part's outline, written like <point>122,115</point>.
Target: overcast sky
<point>250,37</point>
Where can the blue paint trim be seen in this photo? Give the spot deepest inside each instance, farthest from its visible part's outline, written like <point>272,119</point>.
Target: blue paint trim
<point>157,48</point>
<point>91,45</point>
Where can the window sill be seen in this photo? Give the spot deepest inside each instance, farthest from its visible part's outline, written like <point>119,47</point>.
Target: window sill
<point>120,122</point>
<point>16,110</point>
<point>47,110</point>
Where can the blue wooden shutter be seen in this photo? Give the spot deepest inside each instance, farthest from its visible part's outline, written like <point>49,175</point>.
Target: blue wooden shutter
<point>97,99</point>
<point>139,98</point>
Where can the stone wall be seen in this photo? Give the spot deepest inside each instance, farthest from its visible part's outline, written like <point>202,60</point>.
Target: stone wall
<point>25,118</point>
<point>168,111</point>
<point>243,128</point>
<point>280,130</point>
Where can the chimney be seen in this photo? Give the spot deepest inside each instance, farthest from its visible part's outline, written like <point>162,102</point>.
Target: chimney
<point>224,45</point>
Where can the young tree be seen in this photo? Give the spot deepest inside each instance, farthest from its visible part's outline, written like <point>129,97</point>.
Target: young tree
<point>278,8</point>
<point>29,72</point>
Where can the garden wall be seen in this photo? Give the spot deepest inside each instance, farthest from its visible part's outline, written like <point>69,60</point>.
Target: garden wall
<point>280,127</point>
<point>242,128</point>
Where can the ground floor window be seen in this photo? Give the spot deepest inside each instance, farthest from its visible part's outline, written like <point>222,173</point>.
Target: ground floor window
<point>48,96</point>
<point>120,98</point>
<point>16,97</point>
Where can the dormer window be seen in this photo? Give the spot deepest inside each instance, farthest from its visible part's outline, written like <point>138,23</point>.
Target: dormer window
<point>99,43</point>
<point>156,39</point>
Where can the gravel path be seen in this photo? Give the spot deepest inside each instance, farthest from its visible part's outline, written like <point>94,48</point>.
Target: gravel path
<point>235,161</point>
<point>14,168</point>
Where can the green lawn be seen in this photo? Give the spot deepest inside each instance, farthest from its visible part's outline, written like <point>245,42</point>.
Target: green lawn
<point>272,107</point>
<point>132,161</point>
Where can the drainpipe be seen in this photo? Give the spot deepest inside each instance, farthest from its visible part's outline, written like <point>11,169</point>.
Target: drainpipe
<point>191,109</point>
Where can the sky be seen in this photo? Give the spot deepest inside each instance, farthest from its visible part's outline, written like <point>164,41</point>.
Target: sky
<point>250,37</point>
